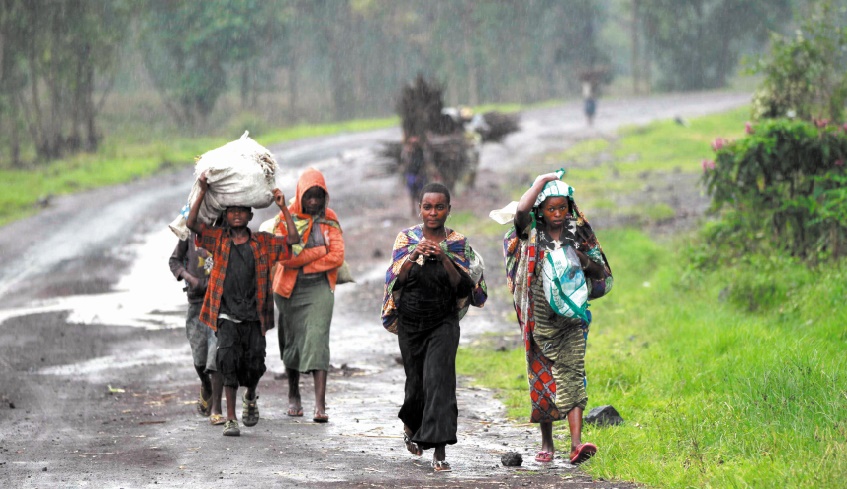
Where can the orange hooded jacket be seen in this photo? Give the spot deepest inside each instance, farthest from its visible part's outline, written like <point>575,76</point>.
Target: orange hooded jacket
<point>312,260</point>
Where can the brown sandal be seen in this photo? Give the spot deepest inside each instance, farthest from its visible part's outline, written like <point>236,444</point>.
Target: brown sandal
<point>411,446</point>
<point>204,406</point>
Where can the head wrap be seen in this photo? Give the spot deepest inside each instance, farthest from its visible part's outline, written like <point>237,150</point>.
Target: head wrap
<point>554,188</point>
<point>310,178</point>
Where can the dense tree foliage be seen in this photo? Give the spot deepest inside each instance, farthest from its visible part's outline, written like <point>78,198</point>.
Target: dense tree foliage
<point>341,59</point>
<point>193,49</point>
<point>52,55</point>
<point>697,43</point>
<point>806,74</point>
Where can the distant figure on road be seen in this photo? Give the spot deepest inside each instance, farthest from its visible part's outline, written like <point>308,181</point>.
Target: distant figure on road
<point>193,264</point>
<point>589,101</point>
<point>554,264</point>
<point>238,303</point>
<point>304,287</point>
<point>434,276</point>
<point>414,169</point>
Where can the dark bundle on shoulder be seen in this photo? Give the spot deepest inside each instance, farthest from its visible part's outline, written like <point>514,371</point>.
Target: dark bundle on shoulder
<point>391,154</point>
<point>391,150</point>
<point>500,125</point>
<point>449,153</point>
<point>419,107</point>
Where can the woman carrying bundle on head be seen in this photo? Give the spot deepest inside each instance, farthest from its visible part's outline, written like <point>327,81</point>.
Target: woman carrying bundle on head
<point>434,276</point>
<point>554,264</point>
<point>304,288</point>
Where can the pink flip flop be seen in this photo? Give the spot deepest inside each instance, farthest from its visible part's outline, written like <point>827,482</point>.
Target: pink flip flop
<point>583,452</point>
<point>544,457</point>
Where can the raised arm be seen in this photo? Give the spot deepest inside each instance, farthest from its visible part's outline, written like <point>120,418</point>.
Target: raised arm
<point>191,222</point>
<point>522,218</point>
<point>293,235</point>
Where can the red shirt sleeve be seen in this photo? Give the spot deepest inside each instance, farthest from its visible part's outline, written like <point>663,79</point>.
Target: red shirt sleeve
<point>276,246</point>
<point>209,237</point>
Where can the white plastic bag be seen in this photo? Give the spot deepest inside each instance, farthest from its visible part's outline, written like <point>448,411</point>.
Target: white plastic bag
<point>564,283</point>
<point>239,173</point>
<point>505,215</point>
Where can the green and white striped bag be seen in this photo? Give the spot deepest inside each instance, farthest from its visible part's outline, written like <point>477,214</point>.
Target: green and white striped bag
<point>564,283</point>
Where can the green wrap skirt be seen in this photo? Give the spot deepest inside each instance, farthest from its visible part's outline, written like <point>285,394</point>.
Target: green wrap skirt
<point>304,320</point>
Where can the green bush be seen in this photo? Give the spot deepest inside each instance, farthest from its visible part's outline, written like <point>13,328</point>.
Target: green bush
<point>782,185</point>
<point>806,76</point>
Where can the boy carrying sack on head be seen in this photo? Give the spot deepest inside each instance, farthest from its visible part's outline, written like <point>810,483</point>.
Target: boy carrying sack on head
<point>238,305</point>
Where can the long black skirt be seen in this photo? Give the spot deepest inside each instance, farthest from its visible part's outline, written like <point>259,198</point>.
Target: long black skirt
<point>429,358</point>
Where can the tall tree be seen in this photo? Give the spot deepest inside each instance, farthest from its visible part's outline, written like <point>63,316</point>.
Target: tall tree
<point>697,43</point>
<point>54,53</point>
<point>193,49</point>
<point>13,75</point>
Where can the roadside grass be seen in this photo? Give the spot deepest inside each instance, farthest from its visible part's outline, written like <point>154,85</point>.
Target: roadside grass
<point>727,374</point>
<point>607,173</point>
<point>713,395</point>
<point>118,162</point>
<point>303,131</point>
<point>138,147</point>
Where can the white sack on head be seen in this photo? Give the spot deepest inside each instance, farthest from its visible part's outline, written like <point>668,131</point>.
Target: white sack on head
<point>239,173</point>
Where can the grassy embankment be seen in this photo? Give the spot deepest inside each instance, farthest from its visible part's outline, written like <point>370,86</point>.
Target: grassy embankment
<point>119,161</point>
<point>139,142</point>
<point>725,376</point>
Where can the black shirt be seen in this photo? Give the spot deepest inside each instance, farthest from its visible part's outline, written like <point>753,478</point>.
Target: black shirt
<point>239,298</point>
<point>427,294</point>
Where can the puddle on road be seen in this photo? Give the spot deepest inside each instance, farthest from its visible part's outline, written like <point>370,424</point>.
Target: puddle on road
<point>146,297</point>
<point>103,368</point>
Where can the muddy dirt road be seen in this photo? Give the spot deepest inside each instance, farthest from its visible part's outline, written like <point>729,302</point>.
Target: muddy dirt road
<point>96,383</point>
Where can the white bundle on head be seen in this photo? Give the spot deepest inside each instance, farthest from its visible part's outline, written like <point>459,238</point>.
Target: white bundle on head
<point>239,173</point>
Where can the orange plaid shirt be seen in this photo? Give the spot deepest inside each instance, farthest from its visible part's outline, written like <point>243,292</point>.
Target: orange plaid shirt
<point>267,250</point>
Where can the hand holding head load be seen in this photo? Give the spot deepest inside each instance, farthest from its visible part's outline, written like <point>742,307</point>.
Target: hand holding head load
<point>545,185</point>
<point>239,173</point>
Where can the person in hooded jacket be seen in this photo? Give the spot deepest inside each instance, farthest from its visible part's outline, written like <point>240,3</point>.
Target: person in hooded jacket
<point>304,288</point>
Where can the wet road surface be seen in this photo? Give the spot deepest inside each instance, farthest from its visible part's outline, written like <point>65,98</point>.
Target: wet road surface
<point>97,388</point>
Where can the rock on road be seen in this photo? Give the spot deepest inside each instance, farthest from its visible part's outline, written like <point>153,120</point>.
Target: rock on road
<point>97,388</point>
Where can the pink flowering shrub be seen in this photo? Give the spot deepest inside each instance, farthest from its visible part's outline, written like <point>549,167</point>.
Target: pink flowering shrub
<point>785,181</point>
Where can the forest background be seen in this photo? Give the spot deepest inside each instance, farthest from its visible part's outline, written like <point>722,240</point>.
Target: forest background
<point>78,75</point>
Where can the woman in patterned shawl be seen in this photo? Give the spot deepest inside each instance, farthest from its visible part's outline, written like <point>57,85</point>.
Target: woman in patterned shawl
<point>304,288</point>
<point>434,276</point>
<point>547,218</point>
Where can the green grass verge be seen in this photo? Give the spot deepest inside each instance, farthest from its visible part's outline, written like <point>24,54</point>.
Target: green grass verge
<point>304,131</point>
<point>713,395</point>
<point>726,377</point>
<point>623,165</point>
<point>126,156</point>
<point>118,162</point>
